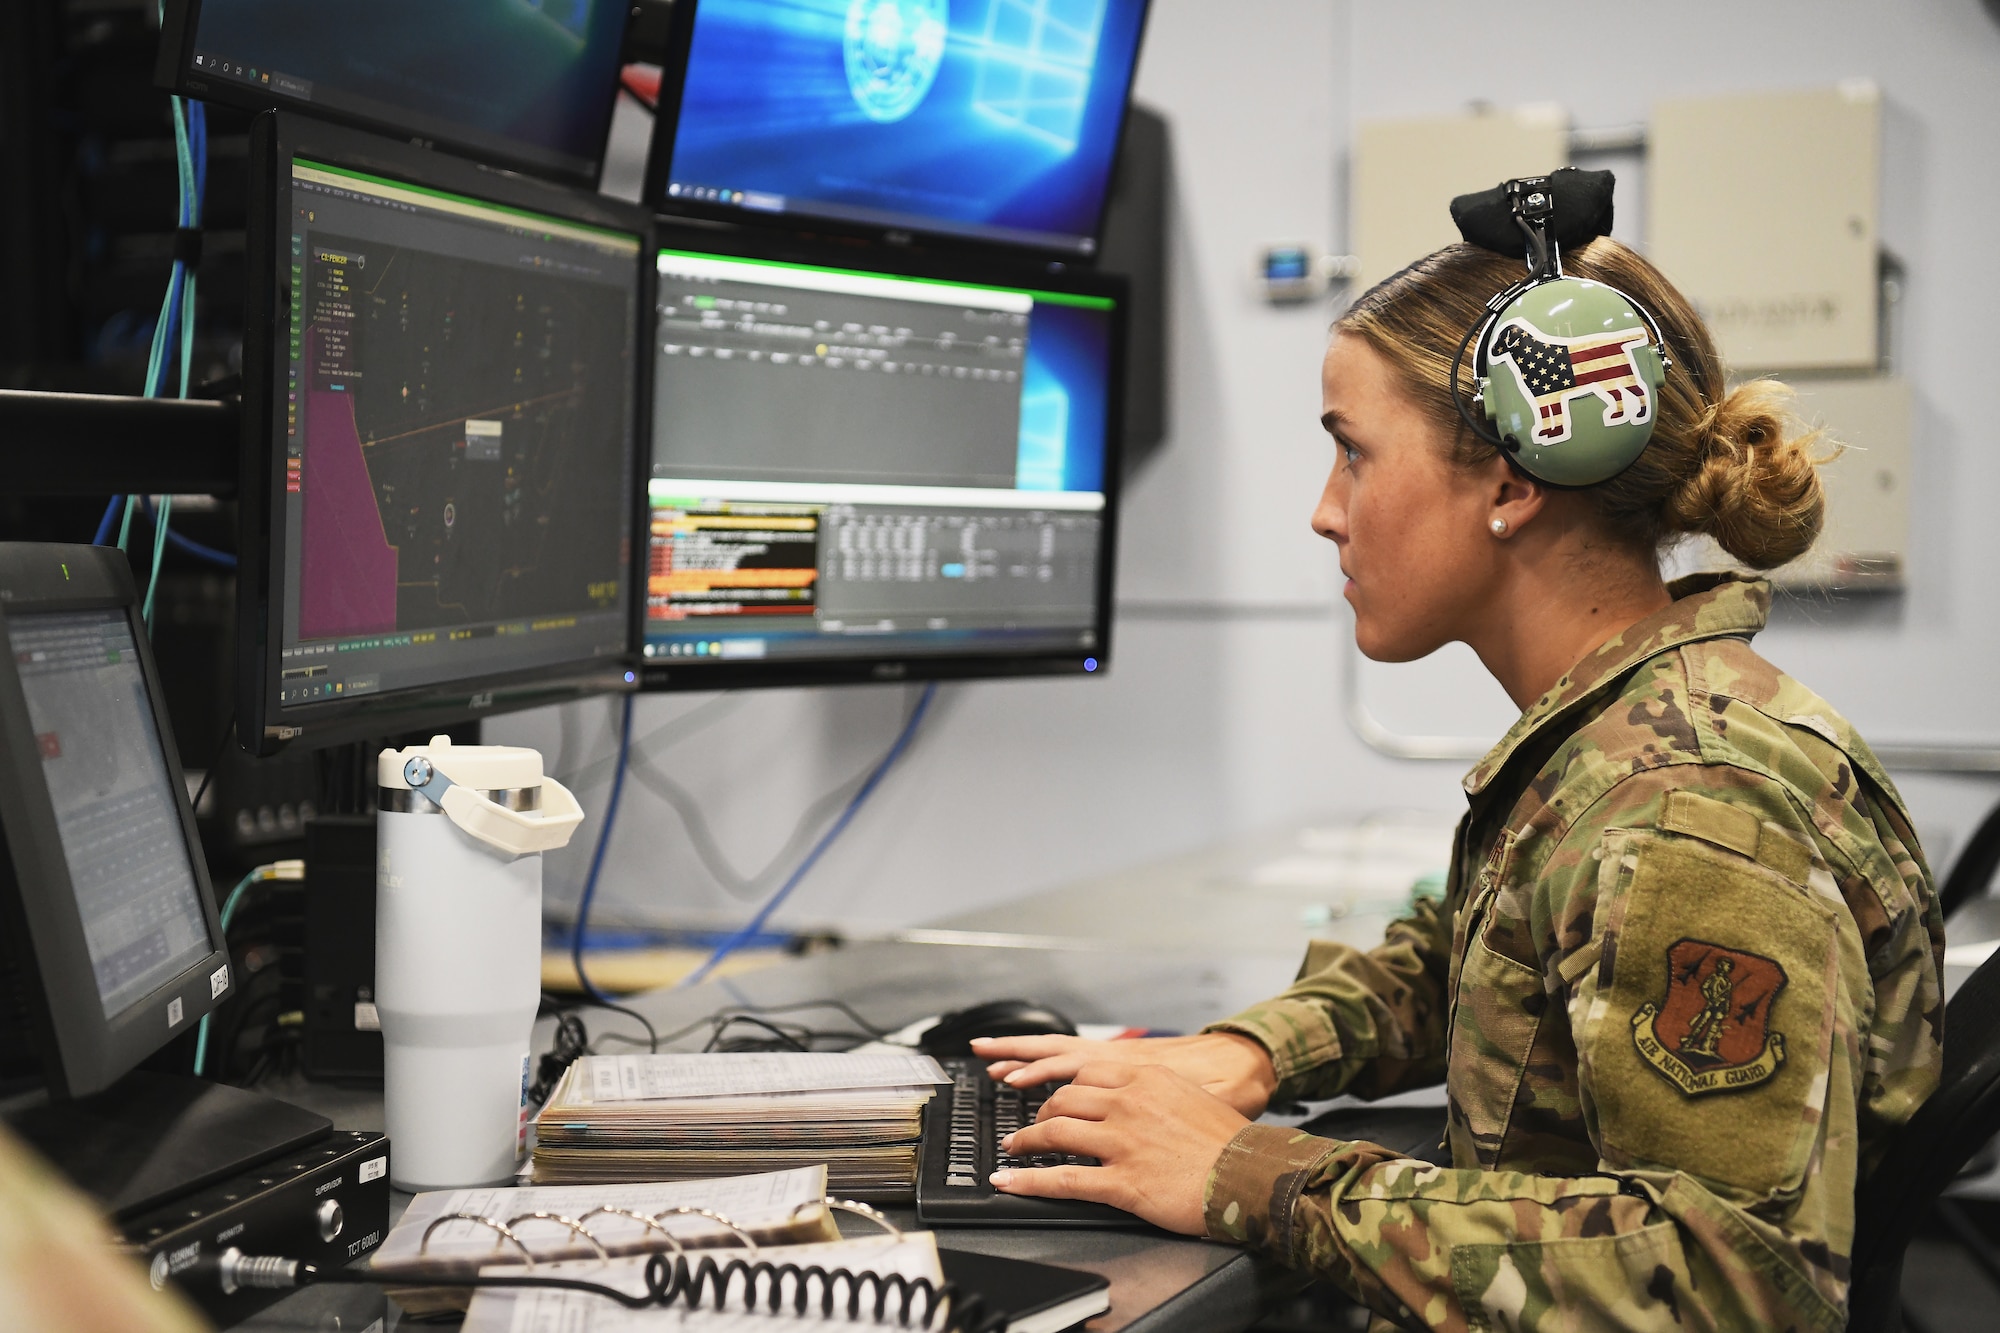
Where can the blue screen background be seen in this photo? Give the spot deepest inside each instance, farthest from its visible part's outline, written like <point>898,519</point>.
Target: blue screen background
<point>537,72</point>
<point>1064,389</point>
<point>1012,132</point>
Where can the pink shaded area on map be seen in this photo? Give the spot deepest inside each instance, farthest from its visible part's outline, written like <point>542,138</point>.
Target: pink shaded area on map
<point>347,569</point>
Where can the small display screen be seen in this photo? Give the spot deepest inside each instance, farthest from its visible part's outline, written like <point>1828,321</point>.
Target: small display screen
<point>847,464</point>
<point>457,419</point>
<point>991,119</point>
<point>116,809</point>
<point>530,81</point>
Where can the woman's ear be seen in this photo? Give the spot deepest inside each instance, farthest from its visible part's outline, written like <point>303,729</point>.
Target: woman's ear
<point>1515,498</point>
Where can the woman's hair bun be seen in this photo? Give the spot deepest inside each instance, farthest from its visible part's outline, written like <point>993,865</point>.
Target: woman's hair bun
<point>1756,487</point>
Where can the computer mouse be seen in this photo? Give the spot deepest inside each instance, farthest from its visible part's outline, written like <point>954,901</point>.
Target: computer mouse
<point>953,1034</point>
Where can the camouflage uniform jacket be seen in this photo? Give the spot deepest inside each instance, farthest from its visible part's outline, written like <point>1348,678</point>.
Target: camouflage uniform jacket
<point>1684,985</point>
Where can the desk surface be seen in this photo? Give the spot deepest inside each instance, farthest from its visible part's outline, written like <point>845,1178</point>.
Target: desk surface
<point>1158,1281</point>
<point>1171,946</point>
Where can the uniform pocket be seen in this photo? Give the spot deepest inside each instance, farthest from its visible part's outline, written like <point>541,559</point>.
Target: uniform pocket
<point>1636,1281</point>
<point>1500,1008</point>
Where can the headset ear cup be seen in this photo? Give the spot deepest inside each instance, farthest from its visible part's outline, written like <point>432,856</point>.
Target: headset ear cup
<point>1572,377</point>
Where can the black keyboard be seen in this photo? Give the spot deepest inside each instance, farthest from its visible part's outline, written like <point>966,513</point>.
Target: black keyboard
<point>963,1126</point>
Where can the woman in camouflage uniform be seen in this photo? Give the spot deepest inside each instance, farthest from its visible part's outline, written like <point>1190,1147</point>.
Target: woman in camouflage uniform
<point>1685,983</point>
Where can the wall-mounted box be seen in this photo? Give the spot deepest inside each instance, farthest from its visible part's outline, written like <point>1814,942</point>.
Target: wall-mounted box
<point>1764,209</point>
<point>1406,173</point>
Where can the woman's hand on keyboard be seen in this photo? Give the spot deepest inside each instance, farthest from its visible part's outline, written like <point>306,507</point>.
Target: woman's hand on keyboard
<point>1155,1134</point>
<point>1233,1068</point>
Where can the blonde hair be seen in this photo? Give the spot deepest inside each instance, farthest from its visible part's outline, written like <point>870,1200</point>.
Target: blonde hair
<point>1734,464</point>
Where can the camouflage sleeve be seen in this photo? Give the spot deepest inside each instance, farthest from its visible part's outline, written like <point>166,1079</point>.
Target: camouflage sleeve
<point>1902,931</point>
<point>1364,1023</point>
<point>1681,984</point>
<point>1426,1246</point>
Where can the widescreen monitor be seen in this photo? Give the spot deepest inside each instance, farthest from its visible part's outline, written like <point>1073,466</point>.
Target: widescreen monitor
<point>106,914</point>
<point>981,120</point>
<point>441,477</point>
<point>520,83</point>
<point>864,474</point>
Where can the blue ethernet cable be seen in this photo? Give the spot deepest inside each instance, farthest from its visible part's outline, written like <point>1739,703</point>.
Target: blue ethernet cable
<point>191,159</point>
<point>176,320</point>
<point>199,550</point>
<point>839,826</point>
<point>292,870</point>
<point>597,856</point>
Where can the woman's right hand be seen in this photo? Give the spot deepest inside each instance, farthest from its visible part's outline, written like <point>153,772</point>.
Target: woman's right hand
<point>1233,1068</point>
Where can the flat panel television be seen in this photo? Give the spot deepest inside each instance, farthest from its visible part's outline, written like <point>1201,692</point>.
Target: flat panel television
<point>520,83</point>
<point>110,925</point>
<point>863,474</point>
<point>442,386</point>
<point>982,120</point>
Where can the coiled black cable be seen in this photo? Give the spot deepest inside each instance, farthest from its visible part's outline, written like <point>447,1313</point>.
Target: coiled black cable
<point>669,1280</point>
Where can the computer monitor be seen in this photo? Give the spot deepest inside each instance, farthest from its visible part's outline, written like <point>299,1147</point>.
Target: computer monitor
<point>981,120</point>
<point>861,473</point>
<point>110,926</point>
<point>440,472</point>
<point>521,83</point>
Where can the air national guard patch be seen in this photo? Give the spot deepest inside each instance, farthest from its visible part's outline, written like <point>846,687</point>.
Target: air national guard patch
<point>1711,1032</point>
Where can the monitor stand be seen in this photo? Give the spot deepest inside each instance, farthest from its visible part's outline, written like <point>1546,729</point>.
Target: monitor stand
<point>151,1137</point>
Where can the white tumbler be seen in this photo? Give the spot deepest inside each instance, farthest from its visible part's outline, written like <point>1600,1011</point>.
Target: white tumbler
<point>460,832</point>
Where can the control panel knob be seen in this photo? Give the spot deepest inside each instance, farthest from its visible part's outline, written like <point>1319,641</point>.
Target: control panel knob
<point>330,1218</point>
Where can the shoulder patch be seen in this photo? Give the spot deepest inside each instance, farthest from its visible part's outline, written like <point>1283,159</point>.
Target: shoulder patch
<point>1710,1031</point>
<point>1712,1017</point>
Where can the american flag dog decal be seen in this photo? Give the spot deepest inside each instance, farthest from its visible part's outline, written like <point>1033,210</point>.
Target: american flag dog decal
<point>1554,371</point>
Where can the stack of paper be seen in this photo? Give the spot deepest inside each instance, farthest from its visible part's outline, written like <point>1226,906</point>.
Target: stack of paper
<point>684,1117</point>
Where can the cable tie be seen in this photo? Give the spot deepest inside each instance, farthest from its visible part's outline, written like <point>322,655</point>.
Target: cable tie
<point>187,246</point>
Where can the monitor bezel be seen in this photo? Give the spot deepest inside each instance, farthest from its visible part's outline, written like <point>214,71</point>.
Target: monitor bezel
<point>980,270</point>
<point>82,1050</point>
<point>666,124</point>
<point>263,727</point>
<point>173,72</point>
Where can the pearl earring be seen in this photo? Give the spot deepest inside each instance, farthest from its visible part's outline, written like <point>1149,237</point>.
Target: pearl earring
<point>1499,526</point>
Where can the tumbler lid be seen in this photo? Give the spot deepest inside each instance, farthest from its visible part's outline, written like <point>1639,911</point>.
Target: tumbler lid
<point>480,767</point>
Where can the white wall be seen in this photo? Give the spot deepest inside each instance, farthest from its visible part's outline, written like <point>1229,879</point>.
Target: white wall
<point>1220,713</point>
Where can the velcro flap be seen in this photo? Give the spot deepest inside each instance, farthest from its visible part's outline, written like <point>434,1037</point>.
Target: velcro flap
<point>1713,821</point>
<point>1580,962</point>
<point>1736,829</point>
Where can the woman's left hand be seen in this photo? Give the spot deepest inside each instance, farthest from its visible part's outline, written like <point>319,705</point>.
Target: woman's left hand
<point>1156,1134</point>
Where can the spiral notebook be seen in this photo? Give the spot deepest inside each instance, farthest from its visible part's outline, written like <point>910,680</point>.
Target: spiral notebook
<point>988,1293</point>
<point>458,1232</point>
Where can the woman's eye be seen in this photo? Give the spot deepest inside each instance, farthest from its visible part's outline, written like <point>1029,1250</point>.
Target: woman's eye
<point>1347,452</point>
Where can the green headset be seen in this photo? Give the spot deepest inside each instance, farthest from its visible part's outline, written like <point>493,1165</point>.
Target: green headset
<point>1566,372</point>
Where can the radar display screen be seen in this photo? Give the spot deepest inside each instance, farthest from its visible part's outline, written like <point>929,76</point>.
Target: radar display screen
<point>457,418</point>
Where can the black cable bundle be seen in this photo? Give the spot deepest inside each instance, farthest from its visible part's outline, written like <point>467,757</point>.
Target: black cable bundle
<point>572,1041</point>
